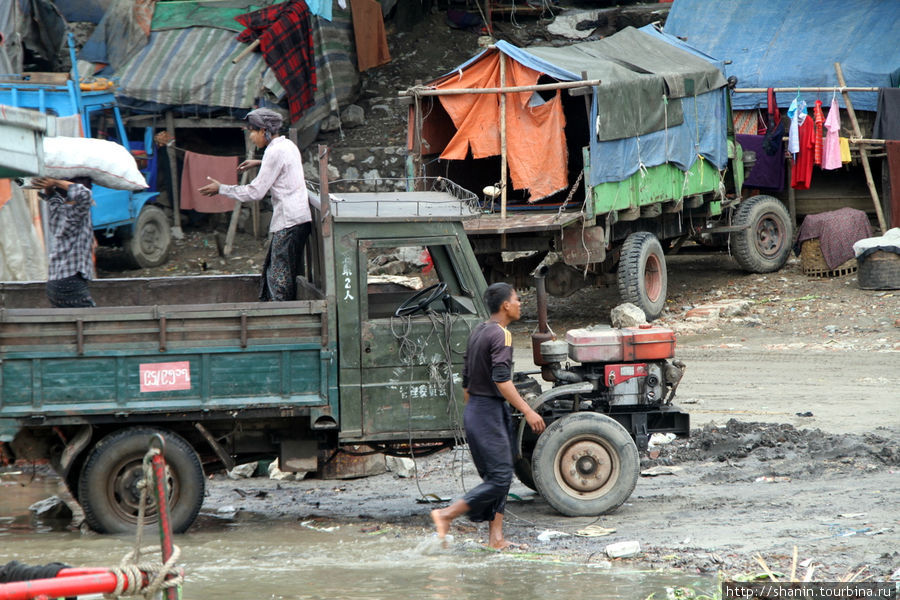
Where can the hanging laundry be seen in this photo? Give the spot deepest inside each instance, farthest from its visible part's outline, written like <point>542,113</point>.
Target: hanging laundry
<point>818,121</point>
<point>197,167</point>
<point>768,172</point>
<point>368,31</point>
<point>774,113</point>
<point>845,149</point>
<point>831,153</point>
<point>801,174</point>
<point>286,41</point>
<point>796,113</point>
<point>320,8</point>
<point>887,118</point>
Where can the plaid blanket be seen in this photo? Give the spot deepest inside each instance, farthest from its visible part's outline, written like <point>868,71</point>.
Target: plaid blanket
<point>286,41</point>
<point>837,231</point>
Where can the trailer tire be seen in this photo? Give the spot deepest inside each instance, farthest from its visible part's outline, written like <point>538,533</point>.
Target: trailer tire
<point>149,244</point>
<point>765,244</point>
<point>585,464</point>
<point>107,487</point>
<point>642,275</point>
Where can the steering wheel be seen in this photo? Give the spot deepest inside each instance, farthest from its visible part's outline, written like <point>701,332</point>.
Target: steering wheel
<point>421,299</point>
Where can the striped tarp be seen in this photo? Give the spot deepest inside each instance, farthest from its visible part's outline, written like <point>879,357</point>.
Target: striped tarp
<point>193,66</point>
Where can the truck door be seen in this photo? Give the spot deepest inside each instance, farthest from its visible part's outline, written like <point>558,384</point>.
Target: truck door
<point>411,365</point>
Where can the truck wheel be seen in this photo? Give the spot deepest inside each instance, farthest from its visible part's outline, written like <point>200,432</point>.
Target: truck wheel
<point>585,464</point>
<point>642,275</point>
<point>764,246</point>
<point>108,491</point>
<point>149,245</point>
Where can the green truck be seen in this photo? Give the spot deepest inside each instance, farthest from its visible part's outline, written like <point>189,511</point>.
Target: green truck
<point>619,151</point>
<point>358,358</point>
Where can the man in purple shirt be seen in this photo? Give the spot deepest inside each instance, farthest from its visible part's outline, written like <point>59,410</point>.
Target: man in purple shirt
<point>280,175</point>
<point>487,388</point>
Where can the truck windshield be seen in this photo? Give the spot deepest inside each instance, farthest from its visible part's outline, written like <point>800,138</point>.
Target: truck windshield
<point>396,273</point>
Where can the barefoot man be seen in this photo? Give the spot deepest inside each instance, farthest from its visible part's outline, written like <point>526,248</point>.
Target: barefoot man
<point>487,388</point>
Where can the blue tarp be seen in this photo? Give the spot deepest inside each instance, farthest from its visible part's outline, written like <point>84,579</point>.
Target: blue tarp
<point>779,44</point>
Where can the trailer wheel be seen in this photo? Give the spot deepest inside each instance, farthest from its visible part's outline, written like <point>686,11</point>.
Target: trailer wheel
<point>765,244</point>
<point>149,245</point>
<point>108,490</point>
<point>642,275</point>
<point>585,464</point>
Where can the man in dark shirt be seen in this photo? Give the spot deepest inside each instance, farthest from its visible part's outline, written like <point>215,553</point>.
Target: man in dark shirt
<point>487,387</point>
<point>71,253</point>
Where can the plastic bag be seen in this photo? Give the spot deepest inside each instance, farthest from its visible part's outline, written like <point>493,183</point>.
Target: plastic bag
<point>106,163</point>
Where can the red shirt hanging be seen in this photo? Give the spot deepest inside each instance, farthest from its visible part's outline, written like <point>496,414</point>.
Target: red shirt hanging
<point>801,174</point>
<point>819,121</point>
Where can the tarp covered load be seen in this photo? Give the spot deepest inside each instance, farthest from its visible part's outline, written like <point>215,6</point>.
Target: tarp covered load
<point>772,44</point>
<point>657,102</point>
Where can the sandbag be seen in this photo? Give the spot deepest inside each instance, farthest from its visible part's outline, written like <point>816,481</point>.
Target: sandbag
<point>106,163</point>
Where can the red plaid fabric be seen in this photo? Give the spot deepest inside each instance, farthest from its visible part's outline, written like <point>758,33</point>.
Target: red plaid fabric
<point>286,41</point>
<point>819,121</point>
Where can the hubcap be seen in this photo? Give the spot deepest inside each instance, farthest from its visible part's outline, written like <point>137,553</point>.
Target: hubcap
<point>585,466</point>
<point>125,495</point>
<point>769,238</point>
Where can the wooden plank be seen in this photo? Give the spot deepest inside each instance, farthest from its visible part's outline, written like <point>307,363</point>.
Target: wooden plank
<point>519,223</point>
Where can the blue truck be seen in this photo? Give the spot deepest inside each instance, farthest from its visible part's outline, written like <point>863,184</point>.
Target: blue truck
<point>132,220</point>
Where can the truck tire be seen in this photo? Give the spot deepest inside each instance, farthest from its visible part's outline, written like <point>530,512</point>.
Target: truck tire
<point>585,464</point>
<point>522,467</point>
<point>107,487</point>
<point>149,245</point>
<point>642,275</point>
<point>765,244</point>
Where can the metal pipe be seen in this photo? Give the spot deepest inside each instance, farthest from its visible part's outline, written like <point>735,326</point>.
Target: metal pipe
<point>543,333</point>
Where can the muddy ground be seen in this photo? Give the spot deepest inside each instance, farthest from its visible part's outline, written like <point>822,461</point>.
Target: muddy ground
<point>793,405</point>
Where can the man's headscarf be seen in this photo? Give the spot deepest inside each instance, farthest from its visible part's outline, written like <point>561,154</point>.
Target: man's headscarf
<point>265,119</point>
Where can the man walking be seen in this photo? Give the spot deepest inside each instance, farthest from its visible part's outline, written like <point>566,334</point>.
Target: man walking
<point>487,388</point>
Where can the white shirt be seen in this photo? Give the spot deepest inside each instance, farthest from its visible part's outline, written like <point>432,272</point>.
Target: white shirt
<point>281,174</point>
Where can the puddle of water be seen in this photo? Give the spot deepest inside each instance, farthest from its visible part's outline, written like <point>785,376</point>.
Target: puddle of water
<point>287,560</point>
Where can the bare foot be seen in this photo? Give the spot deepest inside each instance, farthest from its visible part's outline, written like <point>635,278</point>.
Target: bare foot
<point>441,523</point>
<point>507,545</point>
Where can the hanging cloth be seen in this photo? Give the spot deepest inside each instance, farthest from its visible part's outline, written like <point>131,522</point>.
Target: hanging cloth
<point>818,121</point>
<point>845,149</point>
<point>796,113</point>
<point>801,174</point>
<point>831,153</point>
<point>772,109</point>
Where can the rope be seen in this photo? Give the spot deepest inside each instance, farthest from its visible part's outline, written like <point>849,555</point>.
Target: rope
<point>130,572</point>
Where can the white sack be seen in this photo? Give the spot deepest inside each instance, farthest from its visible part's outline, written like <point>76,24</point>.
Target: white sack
<point>106,163</point>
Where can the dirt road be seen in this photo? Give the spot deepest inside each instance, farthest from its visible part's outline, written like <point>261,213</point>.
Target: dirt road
<point>756,477</point>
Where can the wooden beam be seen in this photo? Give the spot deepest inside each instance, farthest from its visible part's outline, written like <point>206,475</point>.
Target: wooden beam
<point>562,85</point>
<point>173,173</point>
<point>863,153</point>
<point>236,213</point>
<point>783,90</point>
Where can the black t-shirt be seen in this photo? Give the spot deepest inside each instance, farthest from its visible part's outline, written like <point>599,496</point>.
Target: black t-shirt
<point>488,359</point>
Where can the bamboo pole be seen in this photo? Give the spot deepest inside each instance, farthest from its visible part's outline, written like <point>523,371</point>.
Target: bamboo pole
<point>783,90</point>
<point>502,137</point>
<point>863,153</point>
<point>173,177</point>
<point>250,48</point>
<point>236,213</point>
<point>562,85</point>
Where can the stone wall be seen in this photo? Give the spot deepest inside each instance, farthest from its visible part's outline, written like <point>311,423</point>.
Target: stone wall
<point>360,169</point>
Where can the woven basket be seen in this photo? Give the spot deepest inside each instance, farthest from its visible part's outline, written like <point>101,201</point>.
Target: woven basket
<point>813,261</point>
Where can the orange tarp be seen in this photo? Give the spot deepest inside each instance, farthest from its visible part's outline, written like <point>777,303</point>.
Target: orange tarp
<point>535,135</point>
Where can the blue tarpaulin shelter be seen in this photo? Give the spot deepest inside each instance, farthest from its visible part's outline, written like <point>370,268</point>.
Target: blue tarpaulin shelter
<point>780,44</point>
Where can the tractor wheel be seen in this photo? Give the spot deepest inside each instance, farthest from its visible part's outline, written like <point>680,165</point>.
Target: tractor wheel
<point>585,464</point>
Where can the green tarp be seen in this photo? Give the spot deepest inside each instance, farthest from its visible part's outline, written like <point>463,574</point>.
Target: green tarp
<point>179,14</point>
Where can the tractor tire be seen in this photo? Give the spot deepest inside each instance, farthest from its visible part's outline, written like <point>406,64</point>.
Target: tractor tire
<point>765,244</point>
<point>108,491</point>
<point>585,464</point>
<point>149,244</point>
<point>642,275</point>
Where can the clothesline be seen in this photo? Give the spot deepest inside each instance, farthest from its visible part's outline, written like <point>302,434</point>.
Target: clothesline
<point>783,90</point>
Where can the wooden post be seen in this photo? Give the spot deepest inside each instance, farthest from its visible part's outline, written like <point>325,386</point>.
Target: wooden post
<point>792,195</point>
<point>236,213</point>
<point>173,172</point>
<point>863,153</point>
<point>502,146</point>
